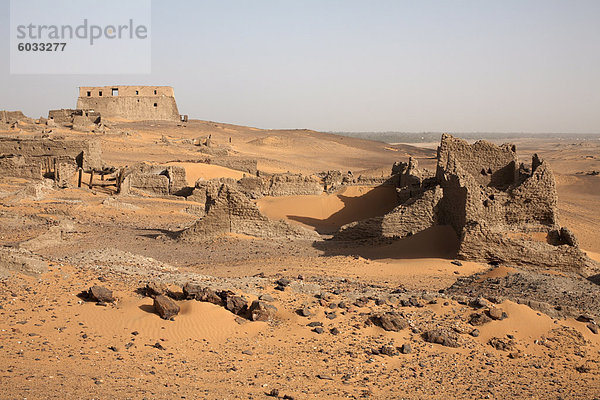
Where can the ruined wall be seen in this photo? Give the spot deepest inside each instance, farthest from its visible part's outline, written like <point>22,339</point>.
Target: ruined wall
<point>27,158</point>
<point>416,215</point>
<point>154,179</point>
<point>488,164</point>
<point>135,103</point>
<point>230,211</point>
<point>10,117</point>
<point>498,212</point>
<point>74,116</point>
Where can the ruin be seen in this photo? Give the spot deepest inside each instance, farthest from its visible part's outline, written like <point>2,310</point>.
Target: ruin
<point>33,158</point>
<point>500,209</point>
<point>131,103</point>
<point>230,211</point>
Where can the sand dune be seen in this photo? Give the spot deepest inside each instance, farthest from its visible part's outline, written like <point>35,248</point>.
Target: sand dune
<point>327,212</point>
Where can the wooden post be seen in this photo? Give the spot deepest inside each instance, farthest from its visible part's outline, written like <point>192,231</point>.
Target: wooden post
<point>91,177</point>
<point>80,176</point>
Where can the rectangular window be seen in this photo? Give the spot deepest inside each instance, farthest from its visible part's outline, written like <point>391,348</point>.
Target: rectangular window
<point>115,92</point>
<point>155,104</point>
<point>155,92</point>
<point>89,94</point>
<point>100,93</point>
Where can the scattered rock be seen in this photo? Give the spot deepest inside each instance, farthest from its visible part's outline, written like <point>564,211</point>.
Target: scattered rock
<point>334,331</point>
<point>165,307</point>
<point>593,327</point>
<point>248,352</point>
<point>475,333</point>
<point>456,262</point>
<point>406,348</point>
<point>585,318</point>
<point>192,291</point>
<point>318,330</point>
<point>480,302</point>
<point>273,393</point>
<point>315,323</point>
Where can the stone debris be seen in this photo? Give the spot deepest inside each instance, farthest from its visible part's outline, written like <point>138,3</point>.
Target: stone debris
<point>100,294</point>
<point>389,321</point>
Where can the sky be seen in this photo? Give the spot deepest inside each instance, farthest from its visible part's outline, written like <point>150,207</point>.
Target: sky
<point>348,65</point>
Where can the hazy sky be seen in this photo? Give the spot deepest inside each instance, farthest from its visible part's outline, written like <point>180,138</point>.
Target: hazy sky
<point>505,65</point>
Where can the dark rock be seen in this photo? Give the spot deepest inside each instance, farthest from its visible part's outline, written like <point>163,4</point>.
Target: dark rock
<point>389,321</point>
<point>334,331</point>
<point>475,332</point>
<point>315,323</point>
<point>325,377</point>
<point>441,336</point>
<point>456,262</point>
<point>248,352</point>
<point>593,327</point>
<point>165,307</point>
<point>154,289</point>
<point>273,393</point>
<point>585,318</point>
<point>280,288</point>
<point>305,312</point>
<point>236,304</point>
<point>361,301</point>
<point>283,282</point>
<point>388,351</point>
<point>262,311</point>
<point>318,330</point>
<point>406,348</point>
<point>331,315</point>
<point>101,294</point>
<point>192,291</point>
<point>478,319</point>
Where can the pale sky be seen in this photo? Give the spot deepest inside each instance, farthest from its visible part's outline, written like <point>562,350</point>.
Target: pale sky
<point>346,65</point>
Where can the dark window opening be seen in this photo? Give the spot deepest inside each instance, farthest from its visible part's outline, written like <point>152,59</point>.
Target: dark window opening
<point>155,104</point>
<point>155,92</point>
<point>89,94</point>
<point>115,92</point>
<point>137,92</point>
<point>100,93</point>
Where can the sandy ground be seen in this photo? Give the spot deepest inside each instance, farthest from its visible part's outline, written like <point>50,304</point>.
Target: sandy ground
<point>57,345</point>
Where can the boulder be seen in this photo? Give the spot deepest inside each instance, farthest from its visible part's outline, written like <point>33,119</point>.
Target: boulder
<point>262,311</point>
<point>441,336</point>
<point>165,307</point>
<point>101,294</point>
<point>389,321</point>
<point>154,289</point>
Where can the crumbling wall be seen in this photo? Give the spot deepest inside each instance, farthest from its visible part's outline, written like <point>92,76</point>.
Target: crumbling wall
<point>417,214</point>
<point>497,210</point>
<point>10,117</point>
<point>230,211</point>
<point>154,179</point>
<point>29,158</point>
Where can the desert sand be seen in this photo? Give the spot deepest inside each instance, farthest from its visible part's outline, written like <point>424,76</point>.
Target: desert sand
<point>322,341</point>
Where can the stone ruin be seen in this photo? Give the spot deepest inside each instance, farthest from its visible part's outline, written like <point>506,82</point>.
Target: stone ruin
<point>230,211</point>
<point>77,119</point>
<point>152,179</point>
<point>38,158</point>
<point>501,209</point>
